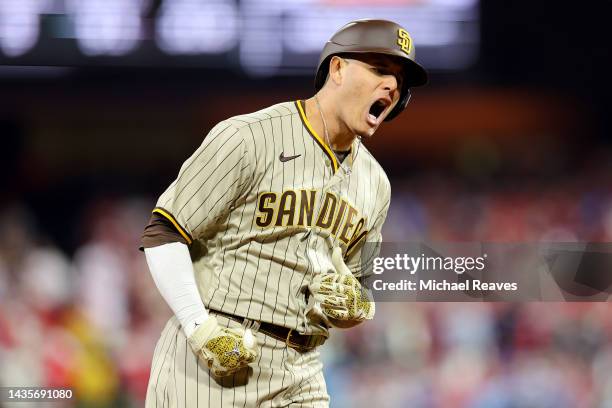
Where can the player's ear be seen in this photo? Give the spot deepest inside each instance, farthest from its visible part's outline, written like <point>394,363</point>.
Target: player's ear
<point>336,69</point>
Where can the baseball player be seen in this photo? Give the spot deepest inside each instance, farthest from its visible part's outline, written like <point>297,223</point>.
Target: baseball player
<point>258,244</point>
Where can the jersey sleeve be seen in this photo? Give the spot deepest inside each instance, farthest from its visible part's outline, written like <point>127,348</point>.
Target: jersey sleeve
<point>360,259</point>
<point>209,183</point>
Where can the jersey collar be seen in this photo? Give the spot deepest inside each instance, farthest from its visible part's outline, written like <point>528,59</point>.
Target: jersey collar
<point>326,149</point>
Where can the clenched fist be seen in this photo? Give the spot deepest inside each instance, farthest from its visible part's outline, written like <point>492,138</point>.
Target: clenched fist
<point>225,350</point>
<point>340,295</point>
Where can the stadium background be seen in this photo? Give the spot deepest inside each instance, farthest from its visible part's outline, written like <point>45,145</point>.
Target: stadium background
<point>510,144</point>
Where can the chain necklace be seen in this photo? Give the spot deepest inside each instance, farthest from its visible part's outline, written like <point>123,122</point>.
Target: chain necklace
<point>346,168</point>
<point>325,128</point>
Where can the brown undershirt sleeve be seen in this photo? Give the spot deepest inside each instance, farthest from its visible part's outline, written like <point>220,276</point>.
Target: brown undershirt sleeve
<point>160,231</point>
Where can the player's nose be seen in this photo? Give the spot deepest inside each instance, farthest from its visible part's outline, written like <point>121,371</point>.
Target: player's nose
<point>390,82</point>
<point>390,85</point>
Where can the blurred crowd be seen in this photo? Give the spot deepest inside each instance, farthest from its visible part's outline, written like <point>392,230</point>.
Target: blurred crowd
<point>88,317</point>
<point>88,321</point>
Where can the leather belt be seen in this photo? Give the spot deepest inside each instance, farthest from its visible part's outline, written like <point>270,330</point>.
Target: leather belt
<point>293,339</point>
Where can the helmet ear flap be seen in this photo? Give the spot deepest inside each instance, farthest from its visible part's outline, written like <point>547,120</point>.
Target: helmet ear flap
<point>401,104</point>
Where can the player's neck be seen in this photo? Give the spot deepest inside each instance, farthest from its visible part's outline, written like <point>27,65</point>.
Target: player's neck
<point>340,137</point>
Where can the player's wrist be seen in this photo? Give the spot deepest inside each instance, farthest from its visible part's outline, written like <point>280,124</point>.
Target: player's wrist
<point>224,350</point>
<point>202,332</point>
<point>191,322</point>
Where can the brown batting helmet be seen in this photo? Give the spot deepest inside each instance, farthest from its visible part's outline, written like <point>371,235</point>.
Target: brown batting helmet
<point>375,36</point>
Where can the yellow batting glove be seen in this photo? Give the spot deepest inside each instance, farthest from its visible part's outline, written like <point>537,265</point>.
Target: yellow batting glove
<point>224,350</point>
<point>340,295</point>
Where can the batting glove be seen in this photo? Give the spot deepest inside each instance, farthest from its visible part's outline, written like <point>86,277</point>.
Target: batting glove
<point>340,295</point>
<point>225,350</point>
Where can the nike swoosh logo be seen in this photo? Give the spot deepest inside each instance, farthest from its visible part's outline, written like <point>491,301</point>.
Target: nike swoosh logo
<point>284,158</point>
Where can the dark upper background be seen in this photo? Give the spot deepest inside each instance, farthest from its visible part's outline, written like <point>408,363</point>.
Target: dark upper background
<point>532,109</point>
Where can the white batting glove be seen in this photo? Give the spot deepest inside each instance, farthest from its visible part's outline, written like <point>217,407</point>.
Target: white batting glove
<point>340,295</point>
<point>225,350</point>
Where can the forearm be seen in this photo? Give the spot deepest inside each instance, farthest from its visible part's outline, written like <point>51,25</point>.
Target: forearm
<point>172,271</point>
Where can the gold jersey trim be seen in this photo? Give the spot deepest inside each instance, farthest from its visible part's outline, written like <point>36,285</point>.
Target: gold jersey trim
<point>171,218</point>
<point>315,136</point>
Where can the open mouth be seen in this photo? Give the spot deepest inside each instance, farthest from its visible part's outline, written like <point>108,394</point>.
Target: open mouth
<point>377,108</point>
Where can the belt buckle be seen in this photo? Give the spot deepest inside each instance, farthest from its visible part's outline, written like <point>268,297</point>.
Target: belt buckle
<point>292,344</point>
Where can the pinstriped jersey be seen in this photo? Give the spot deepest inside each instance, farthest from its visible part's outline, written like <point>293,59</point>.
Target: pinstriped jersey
<point>263,202</point>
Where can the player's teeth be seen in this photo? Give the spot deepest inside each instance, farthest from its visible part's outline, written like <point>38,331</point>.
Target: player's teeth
<point>372,117</point>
